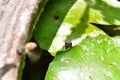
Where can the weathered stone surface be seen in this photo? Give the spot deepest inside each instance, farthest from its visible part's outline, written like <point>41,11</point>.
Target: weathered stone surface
<point>16,17</point>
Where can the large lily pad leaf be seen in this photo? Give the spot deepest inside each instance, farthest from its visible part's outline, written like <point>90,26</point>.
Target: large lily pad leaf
<point>95,58</point>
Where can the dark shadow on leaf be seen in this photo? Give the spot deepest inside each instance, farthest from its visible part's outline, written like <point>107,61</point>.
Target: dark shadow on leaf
<point>111,30</point>
<point>80,28</point>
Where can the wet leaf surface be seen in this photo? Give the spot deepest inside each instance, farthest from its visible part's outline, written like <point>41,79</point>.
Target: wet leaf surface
<point>94,58</point>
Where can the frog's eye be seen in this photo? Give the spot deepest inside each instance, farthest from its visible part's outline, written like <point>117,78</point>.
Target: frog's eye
<point>30,46</point>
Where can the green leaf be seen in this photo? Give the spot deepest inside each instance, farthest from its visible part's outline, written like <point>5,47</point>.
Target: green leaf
<point>104,11</point>
<point>50,21</point>
<point>77,24</point>
<point>75,27</point>
<point>94,58</point>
